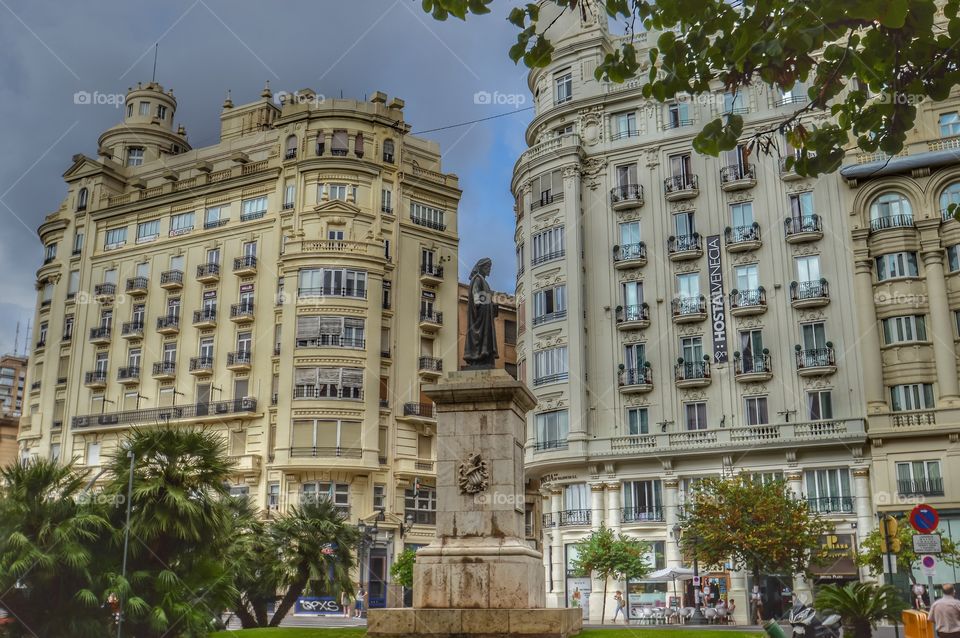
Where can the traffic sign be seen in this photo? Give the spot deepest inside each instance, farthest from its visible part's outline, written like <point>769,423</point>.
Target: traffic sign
<point>924,518</point>
<point>929,565</point>
<point>927,544</point>
<point>696,581</point>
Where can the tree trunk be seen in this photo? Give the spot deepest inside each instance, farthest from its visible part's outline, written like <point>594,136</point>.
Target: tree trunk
<point>247,621</point>
<point>862,629</point>
<point>260,611</point>
<point>296,588</point>
<point>603,607</point>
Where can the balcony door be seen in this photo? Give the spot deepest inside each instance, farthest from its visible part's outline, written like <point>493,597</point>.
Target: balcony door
<point>814,336</point>
<point>681,167</point>
<point>203,399</point>
<point>629,234</point>
<point>808,268</point>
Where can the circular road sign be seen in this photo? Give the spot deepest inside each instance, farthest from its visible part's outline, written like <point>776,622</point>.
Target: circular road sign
<point>924,518</point>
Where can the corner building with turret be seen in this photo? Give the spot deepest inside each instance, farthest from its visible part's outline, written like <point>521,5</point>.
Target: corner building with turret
<point>284,287</point>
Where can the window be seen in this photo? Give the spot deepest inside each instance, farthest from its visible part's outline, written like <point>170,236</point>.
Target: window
<point>336,493</point>
<point>214,217</point>
<point>912,396</point>
<point>144,108</point>
<point>950,197</point>
<point>550,365</point>
<point>325,437</point>
<point>735,103</point>
<point>949,124</point>
<point>549,304</point>
<point>904,329</point>
<point>756,410</point>
<point>635,356</point>
<point>115,238</point>
<point>691,349</point>
<point>819,405</point>
<point>813,335</point>
<point>829,490</point>
<point>244,342</point>
<point>161,112</point>
<point>894,265</point>
<point>319,282</point>
<point>627,175</point>
<point>169,352</point>
<point>420,505</point>
<point>54,452</point>
<point>552,429</point>
<point>681,169</point>
<point>358,145</point>
<point>148,231</point>
<point>328,383</point>
<point>289,195</point>
<point>548,245</point>
<point>747,277</point>
<point>427,216</point>
<point>379,496</point>
<point>684,225</point>
<point>180,224</point>
<point>386,201</point>
<point>253,208</point>
<point>290,147</point>
<point>314,331</point>
<point>335,235</point>
<point>42,334</point>
<point>338,191</point>
<point>68,328</point>
<point>632,292</point>
<point>566,129</point>
<point>625,125</point>
<point>563,85</point>
<point>637,421</point>
<point>642,501</point>
<point>741,218</point>
<point>135,156</point>
<point>801,205</point>
<point>509,332</point>
<point>77,243</point>
<point>340,142</point>
<point>388,151</point>
<point>688,286</point>
<point>737,160</point>
<point>953,257</point>
<point>576,498</point>
<point>890,209</point>
<point>546,188</point>
<point>797,94</point>
<point>49,252</point>
<point>695,415</point>
<point>920,478</point>
<point>134,356</point>
<point>808,268</point>
<point>205,350</point>
<point>173,307</point>
<point>678,114</point>
<point>46,296</point>
<point>93,453</point>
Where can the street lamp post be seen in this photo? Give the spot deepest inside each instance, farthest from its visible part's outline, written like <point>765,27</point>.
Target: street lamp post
<point>367,538</point>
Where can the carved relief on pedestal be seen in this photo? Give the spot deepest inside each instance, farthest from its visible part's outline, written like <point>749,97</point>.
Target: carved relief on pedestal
<point>473,475</point>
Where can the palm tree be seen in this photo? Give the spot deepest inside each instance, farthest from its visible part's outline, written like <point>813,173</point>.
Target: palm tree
<point>861,606</point>
<point>47,534</point>
<point>178,573</point>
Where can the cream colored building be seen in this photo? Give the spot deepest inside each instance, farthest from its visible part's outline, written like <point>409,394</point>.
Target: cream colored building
<point>282,286</point>
<point>681,316</point>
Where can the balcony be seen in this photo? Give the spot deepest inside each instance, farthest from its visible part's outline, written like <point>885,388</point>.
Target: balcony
<point>333,291</point>
<point>95,379</point>
<point>752,368</point>
<point>800,230</point>
<point>431,274</point>
<point>689,309</point>
<point>419,411</point>
<point>630,256</point>
<point>634,317</point>
<point>809,294</point>
<point>946,215</point>
<point>546,199</point>
<point>681,187</point>
<point>216,223</point>
<point>206,318</point>
<point>430,367</point>
<point>290,153</point>
<point>816,362</point>
<point>626,196</point>
<point>742,238</point>
<point>831,504</point>
<point>431,321</point>
<point>137,286</point>
<point>104,293</point>
<point>151,416</point>
<point>920,487</point>
<point>641,515</point>
<point>570,518</point>
<point>171,279</point>
<point>168,324</point>
<point>100,336</point>
<point>386,210</point>
<point>239,361</point>
<point>165,370</point>
<point>536,260</point>
<point>738,178</point>
<point>428,223</point>
<point>693,374</point>
<point>636,380</point>
<point>326,452</point>
<point>558,377</point>
<point>201,365</point>
<point>208,273</point>
<point>245,266</point>
<point>132,330</point>
<point>789,174</point>
<point>889,222</point>
<point>241,312</point>
<point>684,247</point>
<point>746,303</point>
<point>129,374</point>
<point>554,444</point>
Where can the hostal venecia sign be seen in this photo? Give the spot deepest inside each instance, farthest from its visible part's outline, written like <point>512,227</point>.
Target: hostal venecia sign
<point>718,312</point>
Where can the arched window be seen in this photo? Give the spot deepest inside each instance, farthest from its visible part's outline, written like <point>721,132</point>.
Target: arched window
<point>890,210</point>
<point>291,147</point>
<point>388,151</point>
<point>82,199</point>
<point>950,195</point>
<point>321,142</point>
<point>358,145</point>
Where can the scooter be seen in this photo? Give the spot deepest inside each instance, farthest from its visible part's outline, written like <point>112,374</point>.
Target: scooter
<point>803,619</point>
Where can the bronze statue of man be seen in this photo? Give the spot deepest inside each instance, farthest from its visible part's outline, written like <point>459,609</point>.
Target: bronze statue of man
<point>480,347</point>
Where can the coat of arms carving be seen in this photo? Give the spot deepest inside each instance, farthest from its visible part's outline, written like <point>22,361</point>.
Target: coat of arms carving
<point>474,475</point>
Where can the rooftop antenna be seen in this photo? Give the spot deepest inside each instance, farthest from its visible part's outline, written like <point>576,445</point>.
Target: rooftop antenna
<point>16,339</point>
<point>156,50</point>
<point>26,338</point>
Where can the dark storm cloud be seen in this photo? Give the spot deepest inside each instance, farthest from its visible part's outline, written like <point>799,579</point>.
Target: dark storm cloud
<point>54,49</point>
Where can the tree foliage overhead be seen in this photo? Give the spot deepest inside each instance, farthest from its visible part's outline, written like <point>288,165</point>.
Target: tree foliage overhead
<point>759,526</point>
<point>866,63</point>
<point>872,557</point>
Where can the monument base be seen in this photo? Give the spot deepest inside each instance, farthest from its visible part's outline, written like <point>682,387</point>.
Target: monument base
<point>474,623</point>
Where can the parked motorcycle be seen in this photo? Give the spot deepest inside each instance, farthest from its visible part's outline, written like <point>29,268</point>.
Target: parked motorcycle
<point>805,624</point>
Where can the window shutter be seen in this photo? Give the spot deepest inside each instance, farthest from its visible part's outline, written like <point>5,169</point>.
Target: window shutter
<point>353,377</point>
<point>328,375</point>
<point>302,434</point>
<point>308,327</point>
<point>305,376</point>
<point>350,434</point>
<point>330,325</point>
<point>326,434</point>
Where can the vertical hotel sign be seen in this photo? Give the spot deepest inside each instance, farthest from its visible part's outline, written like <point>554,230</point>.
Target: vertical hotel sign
<point>718,312</point>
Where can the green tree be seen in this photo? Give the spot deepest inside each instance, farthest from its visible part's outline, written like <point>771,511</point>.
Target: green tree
<point>178,576</point>
<point>860,605</point>
<point>872,557</point>
<point>759,526</point>
<point>48,532</point>
<point>607,555</point>
<point>402,568</point>
<point>865,64</point>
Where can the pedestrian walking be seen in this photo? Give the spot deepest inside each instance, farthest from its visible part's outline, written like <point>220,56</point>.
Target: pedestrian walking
<point>361,602</point>
<point>619,607</point>
<point>945,613</point>
<point>347,603</point>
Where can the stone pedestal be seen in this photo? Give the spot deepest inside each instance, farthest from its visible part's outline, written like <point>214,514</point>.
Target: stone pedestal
<point>479,577</point>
